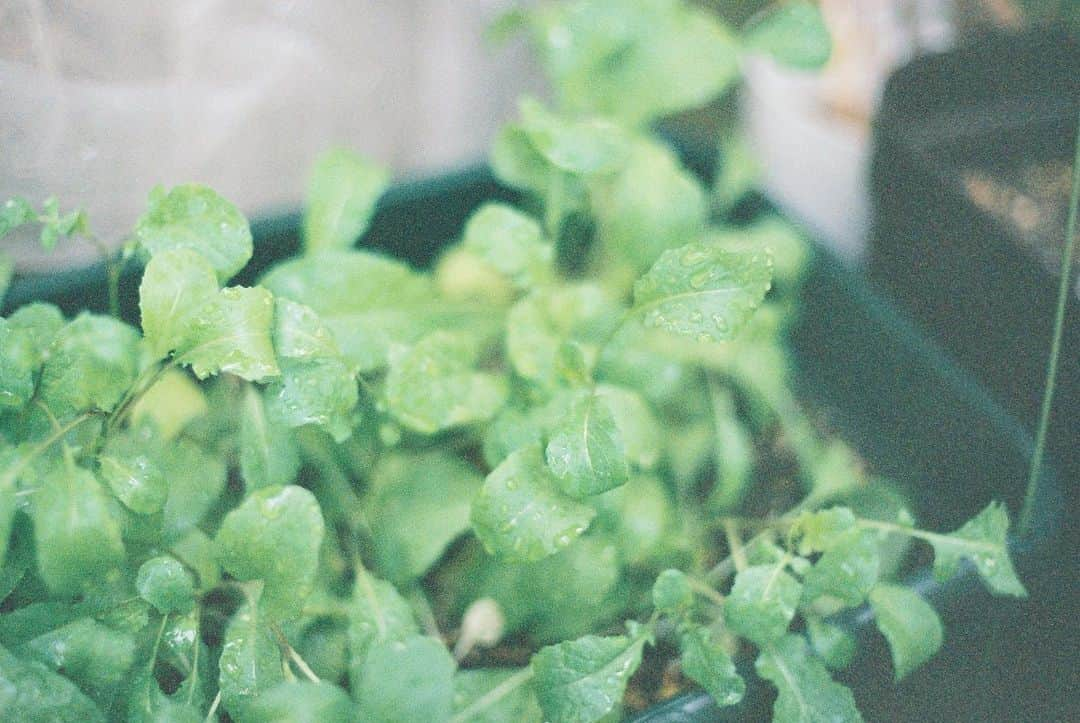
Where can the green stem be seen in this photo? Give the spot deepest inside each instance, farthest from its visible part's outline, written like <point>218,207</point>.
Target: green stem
<point>213,708</point>
<point>924,534</point>
<point>493,696</point>
<point>1026,515</point>
<point>705,590</point>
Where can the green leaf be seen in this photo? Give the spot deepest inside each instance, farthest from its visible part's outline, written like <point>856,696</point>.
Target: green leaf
<point>702,291</point>
<point>164,583</point>
<point>983,540</point>
<point>341,197</point>
<point>7,272</point>
<point>823,529</point>
<point>322,392</point>
<point>635,61</point>
<point>652,204</point>
<point>91,364</point>
<point>300,334</point>
<point>18,363</point>
<point>585,679</point>
<point>198,552</point>
<point>495,696</point>
<point>171,404</point>
<point>406,681</point>
<point>636,423</point>
<point>734,453</point>
<point>231,334</point>
<point>705,661</point>
<point>579,147</point>
<point>807,693</point>
<point>14,213</point>
<point>9,503</point>
<point>672,594</point>
<point>421,503</point>
<point>520,513</point>
<point>97,658</point>
<point>793,33</point>
<point>250,659</point>
<point>42,321</point>
<point>268,453</point>
<point>31,692</point>
<point>762,603</point>
<point>909,623</point>
<point>511,242</point>
<point>833,645</point>
<point>195,482</point>
<point>129,464</point>
<point>176,285</point>
<point>377,613</point>
<point>847,570</point>
<point>585,451</point>
<point>77,539</point>
<point>433,386</point>
<point>194,217</point>
<point>298,702</point>
<point>148,704</point>
<point>274,536</point>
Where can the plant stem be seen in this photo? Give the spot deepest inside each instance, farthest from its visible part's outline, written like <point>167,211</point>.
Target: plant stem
<point>13,471</point>
<point>213,708</point>
<point>1055,346</point>
<point>494,695</point>
<point>705,590</point>
<point>738,554</point>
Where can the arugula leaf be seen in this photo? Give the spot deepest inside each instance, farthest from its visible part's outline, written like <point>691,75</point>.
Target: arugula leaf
<point>31,692</point>
<point>164,583</point>
<point>494,696</point>
<point>672,594</point>
<point>250,659</point>
<point>584,679</point>
<point>149,704</point>
<point>847,570</point>
<point>909,623</point>
<point>585,451</point>
<point>409,680</point>
<point>511,242</point>
<point>636,424</point>
<point>231,334</point>
<point>579,147</point>
<point>521,514</point>
<point>762,603</point>
<point>199,554</point>
<point>807,693</point>
<point>18,363</point>
<point>268,453</point>
<point>42,321</point>
<point>794,33</point>
<point>377,613</point>
<point>176,285</point>
<point>95,657</point>
<point>274,536</point>
<point>983,540</point>
<point>14,213</point>
<point>129,466</point>
<point>195,217</point>
<point>832,644</point>
<point>77,539</point>
<point>171,404</point>
<point>300,701</point>
<point>341,198</point>
<point>433,385</point>
<point>702,291</point>
<point>822,529</point>
<point>705,661</point>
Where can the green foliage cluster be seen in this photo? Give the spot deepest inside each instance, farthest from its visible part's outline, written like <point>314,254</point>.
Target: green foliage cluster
<point>546,444</point>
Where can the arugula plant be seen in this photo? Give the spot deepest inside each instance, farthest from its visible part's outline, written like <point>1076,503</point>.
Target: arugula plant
<point>491,491</point>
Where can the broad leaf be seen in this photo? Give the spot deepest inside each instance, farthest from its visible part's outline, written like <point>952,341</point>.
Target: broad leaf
<point>511,243</point>
<point>377,614</point>
<point>833,645</point>
<point>31,692</point>
<point>77,539</point>
<point>672,594</point>
<point>520,513</point>
<point>909,623</point>
<point>762,603</point>
<point>130,465</point>
<point>231,334</point>
<point>164,583</point>
<point>91,364</point>
<point>702,291</point>
<point>793,33</point>
<point>322,392</point>
<point>823,529</point>
<point>268,454</point>
<point>172,403</point>
<point>194,217</point>
<point>407,681</point>
<point>806,692</point>
<point>274,536</point>
<point>493,696</point>
<point>585,451</point>
<point>636,423</point>
<point>983,540</point>
<point>847,570</point>
<point>341,197</point>
<point>14,213</point>
<point>579,147</point>
<point>585,679</point>
<point>299,702</point>
<point>92,655</point>
<point>705,661</point>
<point>176,285</point>
<point>195,482</point>
<point>18,362</point>
<point>434,386</point>
<point>42,321</point>
<point>250,659</point>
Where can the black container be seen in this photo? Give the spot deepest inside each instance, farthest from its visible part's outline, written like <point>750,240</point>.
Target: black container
<point>911,413</point>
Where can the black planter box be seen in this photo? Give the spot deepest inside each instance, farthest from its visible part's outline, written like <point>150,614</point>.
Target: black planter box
<point>885,389</point>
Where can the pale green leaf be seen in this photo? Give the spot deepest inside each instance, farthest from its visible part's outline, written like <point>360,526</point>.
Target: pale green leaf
<point>806,692</point>
<point>90,365</point>
<point>268,454</point>
<point>250,658</point>
<point>176,285</point>
<point>510,242</point>
<point>300,334</point>
<point>636,423</point>
<point>702,291</point>
<point>14,213</point>
<point>847,570</point>
<point>984,541</point>
<point>406,681</point>
<point>298,702</point>
<point>794,33</point>
<point>198,552</point>
<point>434,386</point>
<point>322,392</point>
<point>274,536</point>
<point>579,147</point>
<point>705,661</point>
<point>672,594</point>
<point>195,217</point>
<point>734,453</point>
<point>77,539</point>
<point>172,403</point>
<point>18,363</point>
<point>520,513</point>
<point>909,623</point>
<point>495,696</point>
<point>164,583</point>
<point>585,679</point>
<point>130,465</point>
<point>585,451</point>
<point>195,481</point>
<point>94,656</point>
<point>341,197</point>
<point>231,334</point>
<point>833,645</point>
<point>32,692</point>
<point>377,613</point>
<point>822,529</point>
<point>762,603</point>
<point>42,321</point>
